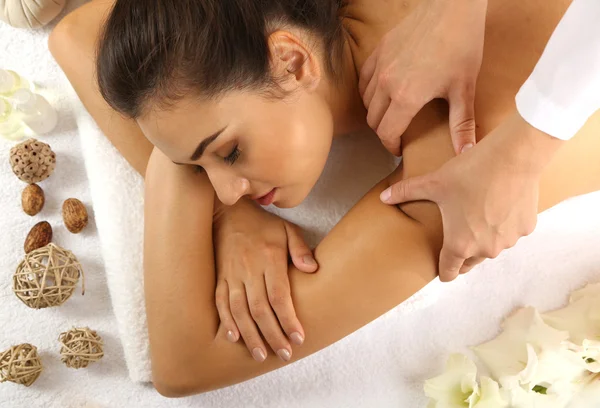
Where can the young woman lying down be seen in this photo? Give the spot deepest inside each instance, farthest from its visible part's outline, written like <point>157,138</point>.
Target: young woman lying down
<point>216,102</point>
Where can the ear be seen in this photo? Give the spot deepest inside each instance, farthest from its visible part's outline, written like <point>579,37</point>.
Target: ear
<point>292,63</point>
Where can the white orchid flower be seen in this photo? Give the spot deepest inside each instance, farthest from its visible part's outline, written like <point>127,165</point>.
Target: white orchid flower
<point>456,387</point>
<point>559,369</point>
<point>558,373</point>
<point>506,355</point>
<point>581,318</point>
<point>530,357</point>
<point>540,361</point>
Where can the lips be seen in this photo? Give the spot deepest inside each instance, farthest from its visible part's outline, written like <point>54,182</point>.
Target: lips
<point>267,198</point>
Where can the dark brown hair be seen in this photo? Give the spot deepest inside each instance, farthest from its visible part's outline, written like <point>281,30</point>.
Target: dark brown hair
<point>159,50</point>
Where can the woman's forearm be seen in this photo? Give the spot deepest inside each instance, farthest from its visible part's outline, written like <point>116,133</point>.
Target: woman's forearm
<point>179,278</point>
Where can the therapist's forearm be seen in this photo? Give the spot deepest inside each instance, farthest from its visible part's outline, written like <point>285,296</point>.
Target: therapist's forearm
<point>528,147</point>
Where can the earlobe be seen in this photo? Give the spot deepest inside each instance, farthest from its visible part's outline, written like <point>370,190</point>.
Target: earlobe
<point>292,62</point>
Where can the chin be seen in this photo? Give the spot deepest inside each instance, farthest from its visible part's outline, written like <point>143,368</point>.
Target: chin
<point>288,203</point>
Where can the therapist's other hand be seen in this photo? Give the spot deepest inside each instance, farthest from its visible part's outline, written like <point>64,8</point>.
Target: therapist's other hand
<point>253,289</point>
<point>488,195</point>
<point>435,52</point>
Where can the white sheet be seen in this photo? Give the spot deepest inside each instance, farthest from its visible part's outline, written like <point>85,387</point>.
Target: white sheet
<point>381,365</point>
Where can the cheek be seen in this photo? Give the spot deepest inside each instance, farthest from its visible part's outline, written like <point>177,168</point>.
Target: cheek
<point>312,136</point>
<point>293,144</point>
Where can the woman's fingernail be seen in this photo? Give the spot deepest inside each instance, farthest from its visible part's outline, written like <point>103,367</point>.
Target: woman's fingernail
<point>284,354</point>
<point>231,336</point>
<point>297,338</point>
<point>386,195</point>
<point>467,147</point>
<point>309,260</point>
<point>259,355</point>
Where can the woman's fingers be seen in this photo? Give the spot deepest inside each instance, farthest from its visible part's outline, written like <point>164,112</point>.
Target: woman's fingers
<point>280,298</point>
<point>263,315</point>
<point>222,301</point>
<point>239,309</point>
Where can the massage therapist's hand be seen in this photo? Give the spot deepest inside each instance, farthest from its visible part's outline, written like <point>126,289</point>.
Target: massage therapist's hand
<point>488,196</point>
<point>435,52</point>
<point>253,290</point>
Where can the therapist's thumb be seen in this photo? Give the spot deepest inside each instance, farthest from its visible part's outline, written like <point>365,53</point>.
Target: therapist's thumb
<point>301,254</point>
<point>462,117</point>
<point>411,189</point>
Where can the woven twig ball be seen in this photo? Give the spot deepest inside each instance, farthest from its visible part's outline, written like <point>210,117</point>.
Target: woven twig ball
<point>47,276</point>
<point>32,161</point>
<point>20,364</point>
<point>80,347</point>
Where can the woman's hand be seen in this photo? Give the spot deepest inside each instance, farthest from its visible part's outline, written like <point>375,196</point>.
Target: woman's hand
<point>435,52</point>
<point>488,196</point>
<point>253,290</point>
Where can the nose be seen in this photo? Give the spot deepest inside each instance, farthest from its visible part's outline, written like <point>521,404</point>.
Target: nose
<point>229,189</point>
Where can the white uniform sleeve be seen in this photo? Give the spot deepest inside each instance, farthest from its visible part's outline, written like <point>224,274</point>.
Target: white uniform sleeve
<point>564,89</point>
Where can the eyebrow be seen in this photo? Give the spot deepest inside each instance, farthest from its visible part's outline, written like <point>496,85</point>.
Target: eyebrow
<point>204,144</point>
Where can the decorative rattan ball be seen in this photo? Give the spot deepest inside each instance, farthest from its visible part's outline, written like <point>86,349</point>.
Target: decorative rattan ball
<point>47,276</point>
<point>20,364</point>
<point>32,161</point>
<point>80,346</point>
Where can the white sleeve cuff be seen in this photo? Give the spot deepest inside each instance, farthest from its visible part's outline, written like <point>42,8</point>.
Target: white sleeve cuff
<point>543,114</point>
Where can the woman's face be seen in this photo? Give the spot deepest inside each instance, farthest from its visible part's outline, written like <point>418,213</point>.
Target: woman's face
<point>248,145</point>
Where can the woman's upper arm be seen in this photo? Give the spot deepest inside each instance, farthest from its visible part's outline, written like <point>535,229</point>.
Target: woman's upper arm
<point>374,259</point>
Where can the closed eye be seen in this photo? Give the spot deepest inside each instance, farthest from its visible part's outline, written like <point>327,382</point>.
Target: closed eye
<point>233,156</point>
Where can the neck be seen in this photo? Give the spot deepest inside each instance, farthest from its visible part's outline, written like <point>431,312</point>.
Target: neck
<point>349,113</point>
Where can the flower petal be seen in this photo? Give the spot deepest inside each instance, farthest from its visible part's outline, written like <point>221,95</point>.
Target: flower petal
<point>490,395</point>
<point>457,386</point>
